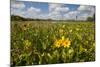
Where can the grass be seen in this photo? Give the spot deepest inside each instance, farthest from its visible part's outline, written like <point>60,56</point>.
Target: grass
<point>44,42</point>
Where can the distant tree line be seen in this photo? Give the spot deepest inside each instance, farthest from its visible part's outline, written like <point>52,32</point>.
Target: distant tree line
<point>19,18</point>
<point>91,18</point>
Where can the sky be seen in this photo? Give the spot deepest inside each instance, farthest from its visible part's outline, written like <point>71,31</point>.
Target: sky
<point>55,11</point>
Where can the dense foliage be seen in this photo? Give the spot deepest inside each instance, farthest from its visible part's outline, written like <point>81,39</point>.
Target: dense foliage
<point>39,42</point>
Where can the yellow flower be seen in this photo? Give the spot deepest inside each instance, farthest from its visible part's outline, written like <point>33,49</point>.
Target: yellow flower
<point>62,42</point>
<point>70,31</point>
<point>57,43</point>
<point>66,43</point>
<point>27,43</point>
<point>63,26</point>
<point>77,29</point>
<point>62,37</point>
<point>61,31</point>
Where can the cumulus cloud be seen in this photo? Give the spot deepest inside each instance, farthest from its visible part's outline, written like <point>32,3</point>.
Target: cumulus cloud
<point>82,12</point>
<point>85,11</point>
<point>71,15</point>
<point>85,8</point>
<point>19,8</point>
<point>52,6</point>
<point>55,11</point>
<point>32,12</point>
<point>16,12</point>
<point>60,11</point>
<point>43,16</point>
<point>17,5</point>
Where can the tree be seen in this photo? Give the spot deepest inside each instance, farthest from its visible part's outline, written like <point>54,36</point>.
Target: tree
<point>90,19</point>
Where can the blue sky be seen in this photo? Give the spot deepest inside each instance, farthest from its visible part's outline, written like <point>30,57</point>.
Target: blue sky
<point>43,10</point>
<point>44,6</point>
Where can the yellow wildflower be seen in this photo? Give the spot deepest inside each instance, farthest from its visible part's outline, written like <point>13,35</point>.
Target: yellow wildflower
<point>57,43</point>
<point>61,31</point>
<point>70,31</point>
<point>77,29</point>
<point>27,43</point>
<point>62,42</point>
<point>66,43</point>
<point>62,37</point>
<point>63,26</point>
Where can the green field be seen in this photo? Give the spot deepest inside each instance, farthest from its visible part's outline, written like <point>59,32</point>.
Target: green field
<point>48,42</point>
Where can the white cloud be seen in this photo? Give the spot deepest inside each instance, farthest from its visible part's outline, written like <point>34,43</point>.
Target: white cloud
<point>36,13</point>
<point>17,5</point>
<point>81,13</point>
<point>62,9</point>
<point>85,8</point>
<point>52,6</point>
<point>17,8</point>
<point>43,16</point>
<point>85,11</point>
<point>56,11</point>
<point>17,12</point>
<point>83,17</point>
<point>71,15</point>
<point>33,10</point>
